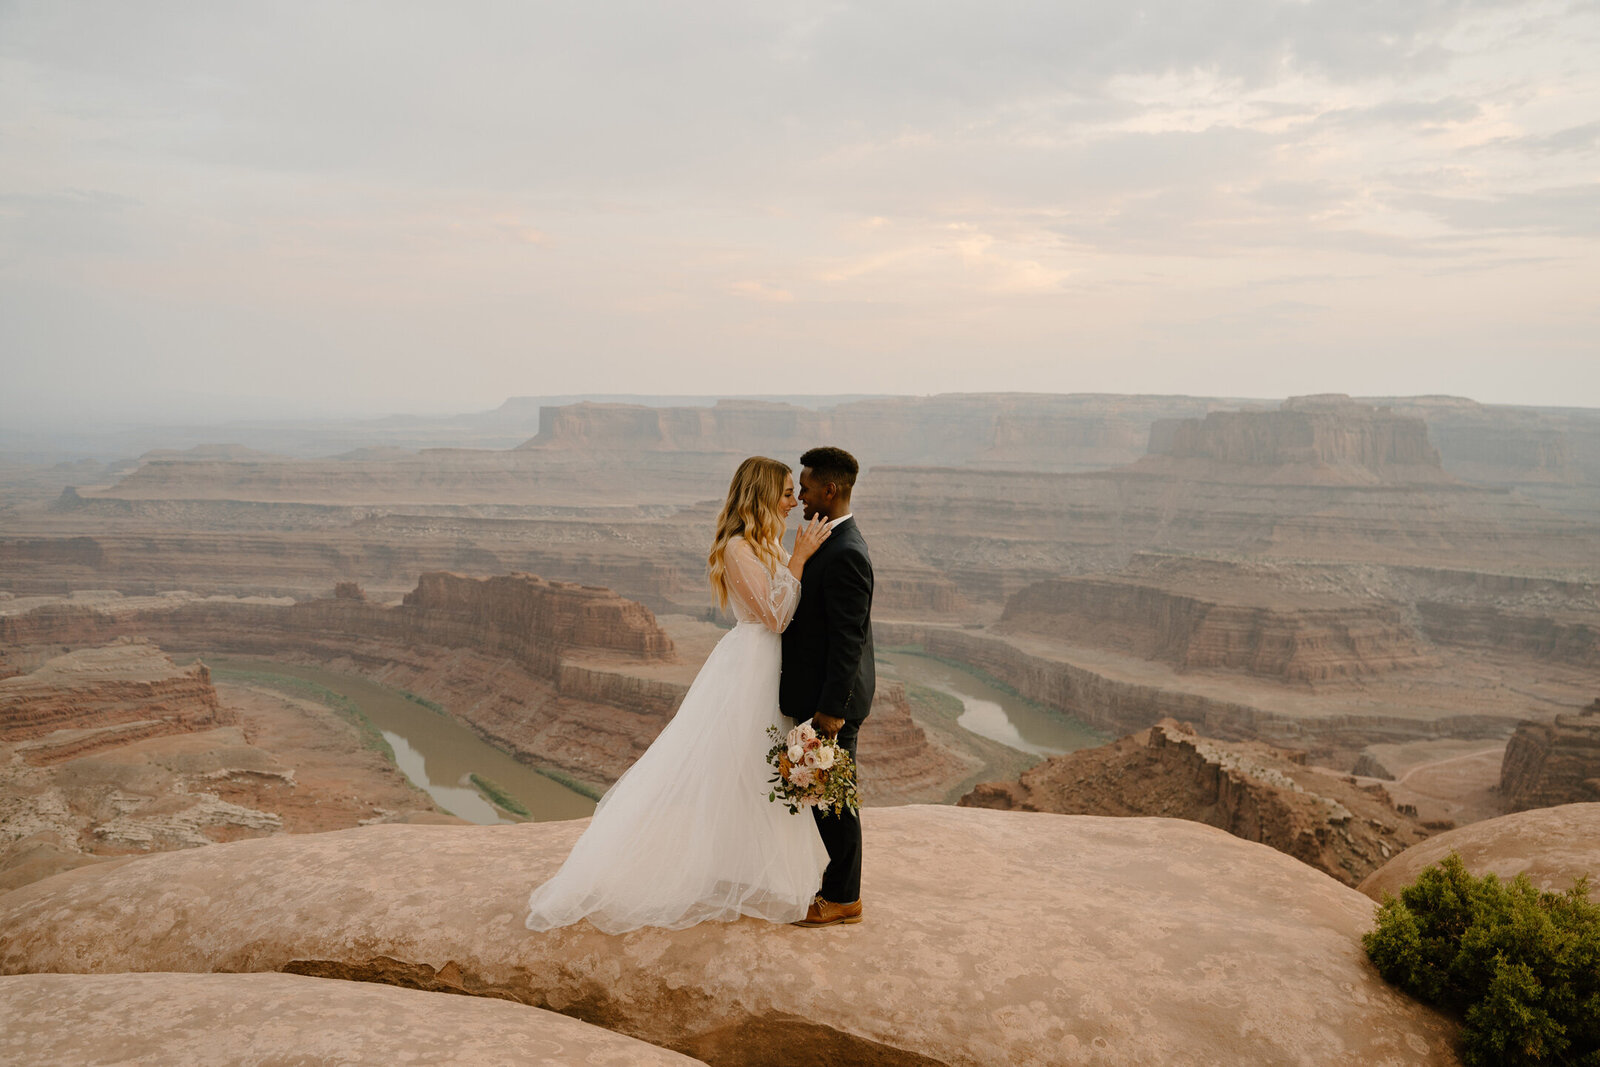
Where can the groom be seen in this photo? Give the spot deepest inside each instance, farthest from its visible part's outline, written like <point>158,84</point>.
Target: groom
<point>827,661</point>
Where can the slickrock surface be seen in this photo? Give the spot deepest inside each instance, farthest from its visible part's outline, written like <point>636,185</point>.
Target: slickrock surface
<point>1553,846</point>
<point>188,1020</point>
<point>1251,790</point>
<point>1549,763</point>
<point>990,937</point>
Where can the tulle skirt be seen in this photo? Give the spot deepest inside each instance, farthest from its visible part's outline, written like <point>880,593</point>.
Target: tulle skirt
<point>687,834</point>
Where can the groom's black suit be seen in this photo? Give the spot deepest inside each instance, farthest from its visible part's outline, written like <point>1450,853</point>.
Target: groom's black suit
<point>828,670</point>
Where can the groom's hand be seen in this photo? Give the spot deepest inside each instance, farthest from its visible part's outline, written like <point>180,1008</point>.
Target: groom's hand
<point>828,724</point>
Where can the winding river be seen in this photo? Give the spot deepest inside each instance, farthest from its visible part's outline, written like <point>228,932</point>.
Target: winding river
<point>441,755</point>
<point>993,712</point>
<point>438,754</point>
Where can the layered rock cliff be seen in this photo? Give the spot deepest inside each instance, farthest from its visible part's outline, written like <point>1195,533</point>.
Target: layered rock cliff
<point>1113,702</point>
<point>995,430</point>
<point>1276,633</point>
<point>1550,763</point>
<point>1500,444</point>
<point>573,677</point>
<point>1251,790</point>
<point>1309,440</point>
<point>94,697</point>
<point>1554,637</point>
<point>540,668</point>
<point>112,750</point>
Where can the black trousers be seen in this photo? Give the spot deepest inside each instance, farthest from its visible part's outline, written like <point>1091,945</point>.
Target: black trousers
<point>841,836</point>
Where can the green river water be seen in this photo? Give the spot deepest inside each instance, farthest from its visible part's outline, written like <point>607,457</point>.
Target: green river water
<point>441,755</point>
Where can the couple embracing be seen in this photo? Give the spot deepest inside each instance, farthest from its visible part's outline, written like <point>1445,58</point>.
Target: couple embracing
<point>687,834</point>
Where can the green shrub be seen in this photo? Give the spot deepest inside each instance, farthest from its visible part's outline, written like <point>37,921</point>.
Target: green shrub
<point>1519,966</point>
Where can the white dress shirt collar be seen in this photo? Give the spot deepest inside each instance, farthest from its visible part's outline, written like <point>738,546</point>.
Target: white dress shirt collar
<point>834,522</point>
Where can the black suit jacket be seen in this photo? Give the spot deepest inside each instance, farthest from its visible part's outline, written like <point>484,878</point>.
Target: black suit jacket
<point>827,647</point>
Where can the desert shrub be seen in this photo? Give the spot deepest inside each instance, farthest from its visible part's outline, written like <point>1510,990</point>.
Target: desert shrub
<point>1519,967</point>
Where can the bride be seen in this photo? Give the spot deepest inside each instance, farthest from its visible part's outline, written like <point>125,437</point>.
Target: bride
<point>687,834</point>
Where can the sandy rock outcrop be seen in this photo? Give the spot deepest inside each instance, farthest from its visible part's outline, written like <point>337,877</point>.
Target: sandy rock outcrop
<point>192,1020</point>
<point>1550,763</point>
<point>990,937</point>
<point>123,691</point>
<point>1253,791</point>
<point>1553,846</point>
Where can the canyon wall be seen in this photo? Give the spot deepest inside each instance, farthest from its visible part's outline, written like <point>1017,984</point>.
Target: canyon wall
<point>1505,445</point>
<point>498,652</point>
<point>1555,638</point>
<point>573,677</point>
<point>98,697</point>
<point>1550,763</point>
<point>1251,790</point>
<point>995,430</point>
<point>1122,707</point>
<point>1315,440</point>
<point>1300,639</point>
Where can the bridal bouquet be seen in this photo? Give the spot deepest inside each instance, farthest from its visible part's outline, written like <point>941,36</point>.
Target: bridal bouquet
<point>812,771</point>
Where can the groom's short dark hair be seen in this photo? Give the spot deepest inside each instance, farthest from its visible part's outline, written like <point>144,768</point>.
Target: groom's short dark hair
<point>829,464</point>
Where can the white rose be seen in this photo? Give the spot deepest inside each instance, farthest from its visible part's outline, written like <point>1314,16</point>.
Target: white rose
<point>795,753</point>
<point>807,731</point>
<point>822,758</point>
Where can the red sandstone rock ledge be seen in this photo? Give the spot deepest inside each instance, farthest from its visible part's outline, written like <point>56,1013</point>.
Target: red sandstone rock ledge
<point>1549,763</point>
<point>1251,790</point>
<point>126,690</point>
<point>990,937</point>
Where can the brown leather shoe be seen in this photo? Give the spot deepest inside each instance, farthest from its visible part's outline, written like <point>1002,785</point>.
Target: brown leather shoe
<point>827,913</point>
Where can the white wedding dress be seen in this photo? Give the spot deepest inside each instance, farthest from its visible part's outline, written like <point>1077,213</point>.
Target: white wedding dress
<point>687,834</point>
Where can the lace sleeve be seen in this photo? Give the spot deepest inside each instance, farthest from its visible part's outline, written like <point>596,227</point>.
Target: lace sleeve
<point>770,598</point>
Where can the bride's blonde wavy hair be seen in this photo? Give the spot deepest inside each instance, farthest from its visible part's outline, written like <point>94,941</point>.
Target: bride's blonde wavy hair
<point>753,511</point>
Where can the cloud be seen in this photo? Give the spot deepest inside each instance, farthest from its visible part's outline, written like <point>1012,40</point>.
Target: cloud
<point>1571,211</point>
<point>334,185</point>
<point>762,292</point>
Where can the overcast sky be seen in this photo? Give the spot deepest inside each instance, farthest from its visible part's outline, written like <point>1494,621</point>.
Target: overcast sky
<point>367,207</point>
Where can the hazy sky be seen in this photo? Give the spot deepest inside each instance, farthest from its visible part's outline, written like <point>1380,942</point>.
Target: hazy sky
<point>362,207</point>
